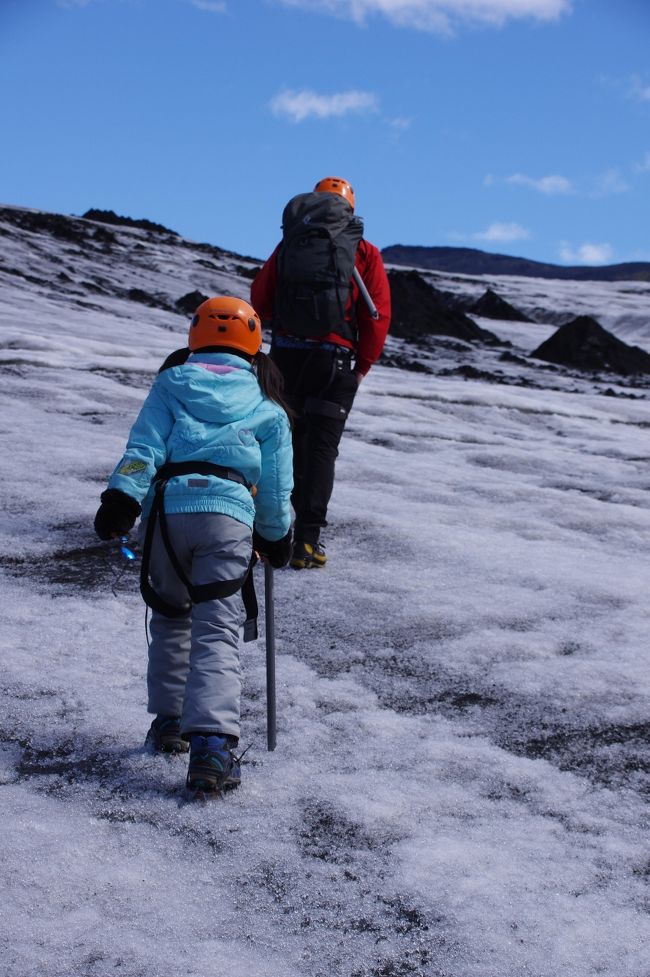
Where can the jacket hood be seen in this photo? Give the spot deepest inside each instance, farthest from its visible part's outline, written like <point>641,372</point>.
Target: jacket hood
<point>218,388</point>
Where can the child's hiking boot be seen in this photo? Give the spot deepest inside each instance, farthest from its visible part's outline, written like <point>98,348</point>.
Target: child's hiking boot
<point>307,555</point>
<point>164,736</point>
<point>213,765</point>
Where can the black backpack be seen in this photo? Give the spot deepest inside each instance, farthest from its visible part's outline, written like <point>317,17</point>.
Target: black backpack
<point>320,237</point>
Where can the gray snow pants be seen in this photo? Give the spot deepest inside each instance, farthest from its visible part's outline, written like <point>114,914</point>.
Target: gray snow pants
<point>194,660</point>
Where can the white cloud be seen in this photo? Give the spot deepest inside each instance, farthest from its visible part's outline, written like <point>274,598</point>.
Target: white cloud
<point>606,184</point>
<point>639,90</point>
<point>609,183</point>
<point>503,232</point>
<point>306,104</point>
<point>400,123</point>
<point>212,6</point>
<point>643,166</point>
<point>440,16</point>
<point>549,185</point>
<point>586,254</point>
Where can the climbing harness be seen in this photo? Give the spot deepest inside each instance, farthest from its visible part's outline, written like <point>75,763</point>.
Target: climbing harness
<point>198,593</point>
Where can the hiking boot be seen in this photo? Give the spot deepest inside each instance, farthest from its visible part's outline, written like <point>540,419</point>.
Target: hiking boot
<point>164,736</point>
<point>307,555</point>
<point>213,765</point>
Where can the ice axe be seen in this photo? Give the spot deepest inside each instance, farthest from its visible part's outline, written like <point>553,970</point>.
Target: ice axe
<point>269,623</point>
<point>365,294</point>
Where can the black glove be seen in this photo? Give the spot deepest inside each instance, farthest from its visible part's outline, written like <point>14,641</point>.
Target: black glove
<point>116,514</point>
<point>277,552</point>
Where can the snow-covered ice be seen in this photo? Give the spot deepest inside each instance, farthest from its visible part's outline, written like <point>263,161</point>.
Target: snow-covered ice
<point>461,781</point>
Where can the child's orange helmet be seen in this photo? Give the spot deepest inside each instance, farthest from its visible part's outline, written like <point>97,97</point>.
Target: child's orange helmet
<point>226,321</point>
<point>335,184</point>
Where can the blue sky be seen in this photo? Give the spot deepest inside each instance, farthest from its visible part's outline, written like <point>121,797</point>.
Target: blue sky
<point>516,126</point>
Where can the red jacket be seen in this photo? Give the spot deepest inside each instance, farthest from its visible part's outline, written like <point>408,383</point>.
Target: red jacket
<point>371,332</point>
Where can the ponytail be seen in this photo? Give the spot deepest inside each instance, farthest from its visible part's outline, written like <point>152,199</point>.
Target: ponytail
<point>271,382</point>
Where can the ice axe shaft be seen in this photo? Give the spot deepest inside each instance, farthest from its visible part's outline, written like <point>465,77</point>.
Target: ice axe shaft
<point>365,294</point>
<point>269,623</point>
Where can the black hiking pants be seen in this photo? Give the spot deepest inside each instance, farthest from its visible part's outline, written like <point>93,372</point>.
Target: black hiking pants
<point>320,386</point>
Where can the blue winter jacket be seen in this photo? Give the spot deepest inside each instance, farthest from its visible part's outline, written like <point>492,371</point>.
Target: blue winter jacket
<point>212,409</point>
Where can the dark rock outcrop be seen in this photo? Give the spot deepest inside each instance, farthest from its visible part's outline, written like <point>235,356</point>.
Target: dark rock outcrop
<point>146,298</point>
<point>492,306</point>
<point>403,362</point>
<point>110,217</point>
<point>189,303</point>
<point>61,227</point>
<point>583,344</point>
<point>245,272</point>
<point>421,310</point>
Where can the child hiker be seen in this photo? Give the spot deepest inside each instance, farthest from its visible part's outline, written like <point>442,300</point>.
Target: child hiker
<point>209,458</point>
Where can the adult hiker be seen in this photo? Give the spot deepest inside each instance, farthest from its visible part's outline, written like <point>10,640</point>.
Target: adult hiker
<point>326,336</point>
<point>209,461</point>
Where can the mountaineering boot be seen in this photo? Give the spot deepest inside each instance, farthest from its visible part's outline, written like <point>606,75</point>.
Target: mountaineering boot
<point>164,736</point>
<point>213,766</point>
<point>307,555</point>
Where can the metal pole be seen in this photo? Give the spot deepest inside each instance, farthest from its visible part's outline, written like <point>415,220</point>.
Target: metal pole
<point>365,294</point>
<point>269,622</point>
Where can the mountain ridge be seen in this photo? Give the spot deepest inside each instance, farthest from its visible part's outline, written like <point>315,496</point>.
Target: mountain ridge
<point>473,261</point>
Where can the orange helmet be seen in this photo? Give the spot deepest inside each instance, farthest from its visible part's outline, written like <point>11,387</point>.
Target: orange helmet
<point>226,321</point>
<point>335,184</point>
